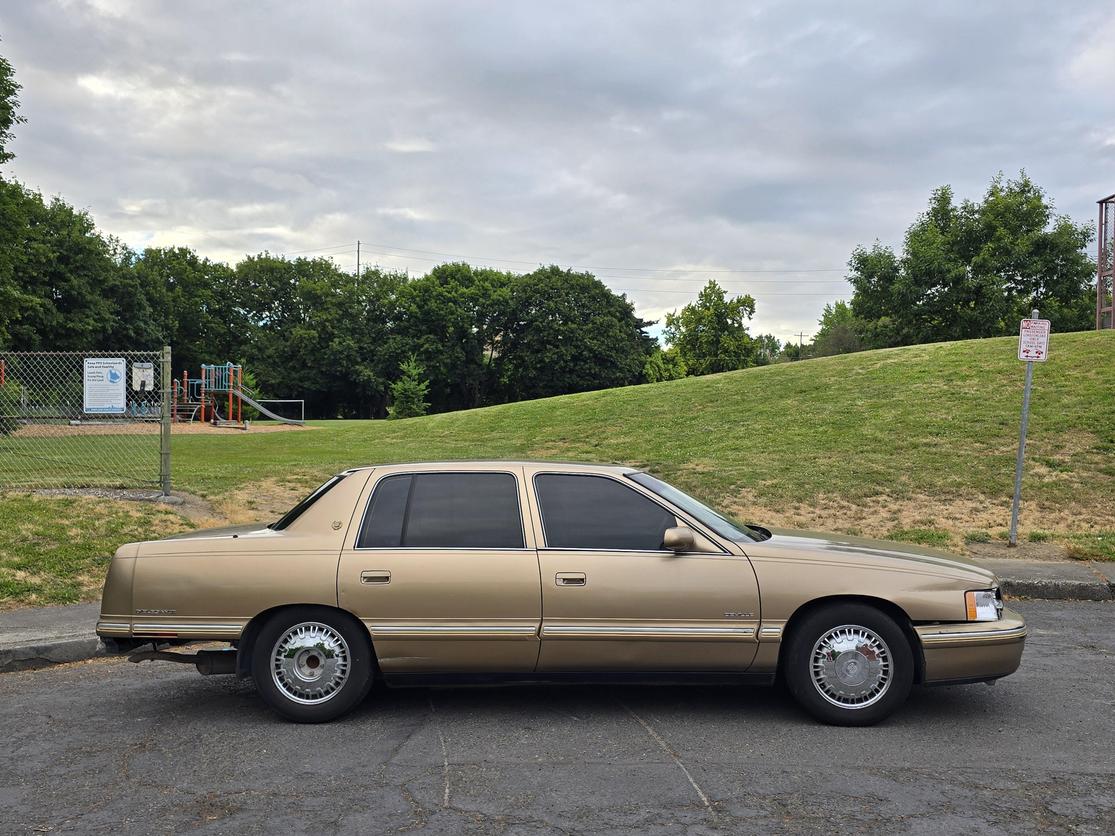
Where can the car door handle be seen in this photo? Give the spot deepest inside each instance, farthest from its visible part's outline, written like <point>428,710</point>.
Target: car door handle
<point>570,579</point>
<point>375,576</point>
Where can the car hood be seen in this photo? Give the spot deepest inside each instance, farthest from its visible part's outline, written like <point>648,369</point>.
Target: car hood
<point>863,550</point>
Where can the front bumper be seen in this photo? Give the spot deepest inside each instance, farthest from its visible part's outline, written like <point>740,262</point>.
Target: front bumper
<point>972,652</point>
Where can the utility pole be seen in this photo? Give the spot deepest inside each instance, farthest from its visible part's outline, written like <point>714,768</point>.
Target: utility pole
<point>800,336</point>
<point>357,259</point>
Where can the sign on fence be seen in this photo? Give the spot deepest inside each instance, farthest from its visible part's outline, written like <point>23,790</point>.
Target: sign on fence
<point>104,386</point>
<point>143,377</point>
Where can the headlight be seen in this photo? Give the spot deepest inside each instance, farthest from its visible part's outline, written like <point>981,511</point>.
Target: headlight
<point>983,605</point>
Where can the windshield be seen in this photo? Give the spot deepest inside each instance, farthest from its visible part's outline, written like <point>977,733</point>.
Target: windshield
<point>303,506</point>
<point>723,525</point>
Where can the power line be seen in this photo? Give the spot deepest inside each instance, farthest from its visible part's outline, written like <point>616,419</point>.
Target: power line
<point>383,249</point>
<point>603,275</point>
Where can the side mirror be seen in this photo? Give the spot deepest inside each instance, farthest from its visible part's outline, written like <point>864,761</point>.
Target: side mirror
<point>679,539</point>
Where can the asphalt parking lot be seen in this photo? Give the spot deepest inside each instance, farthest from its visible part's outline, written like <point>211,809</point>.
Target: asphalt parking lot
<point>107,746</point>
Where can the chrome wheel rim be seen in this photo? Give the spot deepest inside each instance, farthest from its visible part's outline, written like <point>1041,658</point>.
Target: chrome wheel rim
<point>310,663</point>
<point>851,666</point>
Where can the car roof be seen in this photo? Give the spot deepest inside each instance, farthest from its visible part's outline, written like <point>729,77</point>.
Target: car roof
<point>483,464</point>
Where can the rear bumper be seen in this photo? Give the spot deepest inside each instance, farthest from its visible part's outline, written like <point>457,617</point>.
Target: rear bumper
<point>121,629</point>
<point>972,652</point>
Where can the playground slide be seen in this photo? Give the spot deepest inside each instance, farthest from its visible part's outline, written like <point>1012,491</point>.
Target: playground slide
<point>255,404</point>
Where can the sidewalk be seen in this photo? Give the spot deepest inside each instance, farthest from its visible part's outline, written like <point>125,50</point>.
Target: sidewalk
<point>34,638</point>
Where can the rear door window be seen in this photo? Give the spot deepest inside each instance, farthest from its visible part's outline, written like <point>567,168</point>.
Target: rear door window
<point>444,510</point>
<point>581,511</point>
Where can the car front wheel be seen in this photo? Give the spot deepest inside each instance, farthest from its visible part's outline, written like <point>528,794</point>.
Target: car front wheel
<point>311,664</point>
<point>849,665</point>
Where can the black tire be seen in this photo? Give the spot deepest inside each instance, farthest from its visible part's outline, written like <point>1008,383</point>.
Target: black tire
<point>331,641</point>
<point>850,702</point>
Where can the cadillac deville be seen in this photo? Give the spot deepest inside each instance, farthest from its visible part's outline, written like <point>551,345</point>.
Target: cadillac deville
<point>532,571</point>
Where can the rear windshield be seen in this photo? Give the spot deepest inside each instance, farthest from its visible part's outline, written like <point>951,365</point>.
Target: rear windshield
<point>303,506</point>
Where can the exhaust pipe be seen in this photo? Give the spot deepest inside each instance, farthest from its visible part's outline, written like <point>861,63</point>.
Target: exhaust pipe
<point>207,662</point>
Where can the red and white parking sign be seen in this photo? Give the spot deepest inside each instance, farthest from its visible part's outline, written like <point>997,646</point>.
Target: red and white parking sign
<point>1033,340</point>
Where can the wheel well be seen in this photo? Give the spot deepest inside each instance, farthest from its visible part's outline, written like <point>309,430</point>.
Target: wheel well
<point>889,607</point>
<point>251,631</point>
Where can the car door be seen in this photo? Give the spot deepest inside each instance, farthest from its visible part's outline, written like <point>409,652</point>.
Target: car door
<point>613,599</point>
<point>442,570</point>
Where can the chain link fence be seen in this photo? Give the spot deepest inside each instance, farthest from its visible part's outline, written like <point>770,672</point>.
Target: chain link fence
<point>85,419</point>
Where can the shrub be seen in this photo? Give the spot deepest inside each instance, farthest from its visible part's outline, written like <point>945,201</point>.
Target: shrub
<point>408,393</point>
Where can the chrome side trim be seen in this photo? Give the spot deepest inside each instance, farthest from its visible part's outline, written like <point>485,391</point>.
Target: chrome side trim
<point>141,627</point>
<point>770,632</point>
<point>452,631</point>
<point>113,627</point>
<point>988,636</point>
<point>611,631</point>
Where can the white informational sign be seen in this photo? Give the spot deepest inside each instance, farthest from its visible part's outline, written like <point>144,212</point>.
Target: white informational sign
<point>143,377</point>
<point>104,386</point>
<point>1033,340</point>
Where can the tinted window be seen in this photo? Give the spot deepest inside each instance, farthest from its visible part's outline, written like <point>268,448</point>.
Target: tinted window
<point>445,510</point>
<point>383,524</point>
<point>594,512</point>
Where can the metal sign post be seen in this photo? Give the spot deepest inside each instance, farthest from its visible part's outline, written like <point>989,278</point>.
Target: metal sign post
<point>1033,347</point>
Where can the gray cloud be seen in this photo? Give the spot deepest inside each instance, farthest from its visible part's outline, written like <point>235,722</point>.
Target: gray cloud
<point>610,135</point>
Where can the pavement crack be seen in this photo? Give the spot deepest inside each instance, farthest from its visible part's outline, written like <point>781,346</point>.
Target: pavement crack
<point>444,753</point>
<point>665,747</point>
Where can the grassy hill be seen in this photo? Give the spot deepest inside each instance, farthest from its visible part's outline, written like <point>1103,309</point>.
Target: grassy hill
<point>913,443</point>
<point>925,432</point>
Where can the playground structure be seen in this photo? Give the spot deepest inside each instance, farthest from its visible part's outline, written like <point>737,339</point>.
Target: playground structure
<point>221,387</point>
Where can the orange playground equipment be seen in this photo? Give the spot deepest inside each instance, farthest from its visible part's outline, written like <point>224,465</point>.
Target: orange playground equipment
<point>219,396</point>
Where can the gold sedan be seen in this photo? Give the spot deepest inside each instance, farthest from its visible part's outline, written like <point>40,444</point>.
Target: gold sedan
<point>529,571</point>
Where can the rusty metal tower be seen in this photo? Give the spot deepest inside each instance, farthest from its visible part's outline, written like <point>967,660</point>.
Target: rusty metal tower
<point>1105,265</point>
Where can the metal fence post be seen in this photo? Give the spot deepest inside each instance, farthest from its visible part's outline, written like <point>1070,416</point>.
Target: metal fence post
<point>1016,503</point>
<point>164,430</point>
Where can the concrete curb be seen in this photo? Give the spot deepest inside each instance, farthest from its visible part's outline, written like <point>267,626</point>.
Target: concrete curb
<point>44,654</point>
<point>1057,590</point>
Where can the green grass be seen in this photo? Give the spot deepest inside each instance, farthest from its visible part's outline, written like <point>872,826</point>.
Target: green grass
<point>939,420</point>
<point>55,550</point>
<point>923,536</point>
<point>916,443</point>
<point>1092,546</point>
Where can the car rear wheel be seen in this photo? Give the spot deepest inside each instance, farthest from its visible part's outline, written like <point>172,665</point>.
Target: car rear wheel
<point>849,665</point>
<point>312,664</point>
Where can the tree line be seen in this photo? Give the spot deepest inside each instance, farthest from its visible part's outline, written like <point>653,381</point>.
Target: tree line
<point>304,328</point>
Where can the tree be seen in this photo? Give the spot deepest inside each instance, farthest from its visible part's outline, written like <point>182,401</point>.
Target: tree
<point>194,307</point>
<point>68,286</point>
<point>452,319</point>
<point>663,365</point>
<point>408,393</point>
<point>318,333</point>
<point>767,349</point>
<point>710,335</point>
<point>839,332</point>
<point>974,269</point>
<point>567,332</point>
<point>9,107</point>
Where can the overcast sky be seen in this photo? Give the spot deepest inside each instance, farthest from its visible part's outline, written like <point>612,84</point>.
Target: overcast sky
<point>658,144</point>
